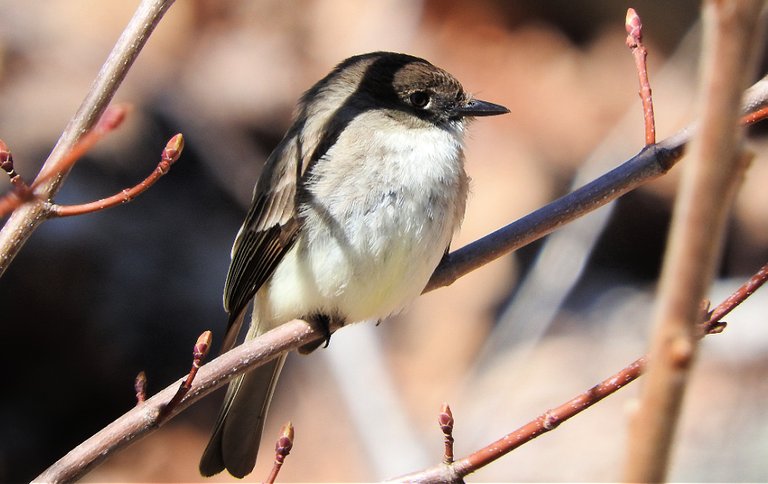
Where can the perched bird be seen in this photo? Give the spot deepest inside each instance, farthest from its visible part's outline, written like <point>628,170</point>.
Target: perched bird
<point>352,213</point>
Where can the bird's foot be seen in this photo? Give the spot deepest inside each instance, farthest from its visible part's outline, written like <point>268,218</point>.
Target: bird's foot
<point>322,323</point>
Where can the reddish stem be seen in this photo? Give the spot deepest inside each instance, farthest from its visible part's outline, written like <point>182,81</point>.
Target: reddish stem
<point>6,164</point>
<point>635,43</point>
<point>755,116</point>
<point>550,419</point>
<point>199,352</point>
<point>170,154</point>
<point>742,293</point>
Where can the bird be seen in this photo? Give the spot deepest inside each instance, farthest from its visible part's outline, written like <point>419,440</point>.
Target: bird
<point>352,213</point>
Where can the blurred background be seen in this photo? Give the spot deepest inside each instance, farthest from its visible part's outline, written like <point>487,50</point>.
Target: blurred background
<point>92,300</point>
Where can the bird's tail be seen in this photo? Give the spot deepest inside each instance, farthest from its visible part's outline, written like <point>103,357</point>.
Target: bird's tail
<point>237,433</point>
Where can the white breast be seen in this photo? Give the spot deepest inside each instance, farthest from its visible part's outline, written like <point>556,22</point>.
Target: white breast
<point>381,215</point>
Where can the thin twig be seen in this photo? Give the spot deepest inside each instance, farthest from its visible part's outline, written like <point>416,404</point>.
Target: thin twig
<point>29,216</point>
<point>755,116</point>
<point>552,418</point>
<point>199,352</point>
<point>707,189</point>
<point>635,43</point>
<point>746,290</point>
<point>169,156</point>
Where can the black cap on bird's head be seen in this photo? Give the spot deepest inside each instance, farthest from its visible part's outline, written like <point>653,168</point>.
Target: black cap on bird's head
<point>405,83</point>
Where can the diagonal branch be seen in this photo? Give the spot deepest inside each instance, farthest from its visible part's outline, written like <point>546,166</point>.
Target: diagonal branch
<point>651,163</point>
<point>145,417</point>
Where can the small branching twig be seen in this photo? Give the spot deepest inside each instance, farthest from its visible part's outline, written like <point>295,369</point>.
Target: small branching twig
<point>29,216</point>
<point>112,118</point>
<point>445,420</point>
<point>635,43</point>
<point>199,352</point>
<point>170,154</point>
<point>283,447</point>
<point>140,385</point>
<point>552,418</point>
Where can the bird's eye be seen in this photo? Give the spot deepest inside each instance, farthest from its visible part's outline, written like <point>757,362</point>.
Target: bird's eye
<point>419,99</point>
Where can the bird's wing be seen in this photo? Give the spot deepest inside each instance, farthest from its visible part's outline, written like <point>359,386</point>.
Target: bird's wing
<point>268,232</point>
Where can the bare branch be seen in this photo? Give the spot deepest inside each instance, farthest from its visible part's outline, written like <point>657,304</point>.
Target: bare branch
<point>30,215</point>
<point>145,417</point>
<point>551,419</point>
<point>707,189</point>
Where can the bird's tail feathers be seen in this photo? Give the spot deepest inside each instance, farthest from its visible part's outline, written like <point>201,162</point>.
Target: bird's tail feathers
<point>234,443</point>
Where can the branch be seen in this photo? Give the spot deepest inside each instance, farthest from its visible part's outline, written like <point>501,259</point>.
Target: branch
<point>549,420</point>
<point>146,416</point>
<point>707,190</point>
<point>30,215</point>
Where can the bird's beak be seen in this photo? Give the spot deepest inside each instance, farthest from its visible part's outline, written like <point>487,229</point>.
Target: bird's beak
<point>476,107</point>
